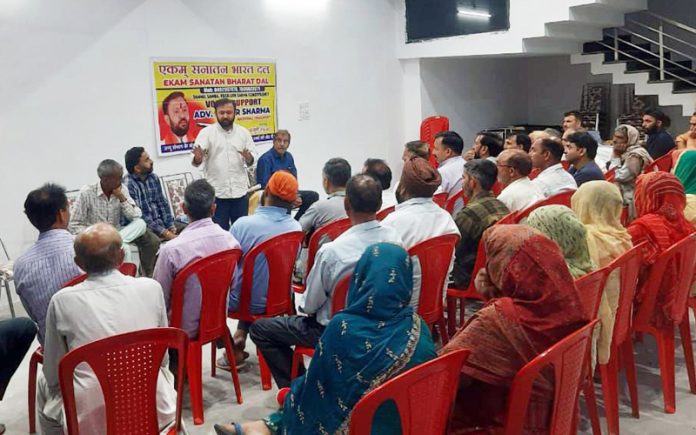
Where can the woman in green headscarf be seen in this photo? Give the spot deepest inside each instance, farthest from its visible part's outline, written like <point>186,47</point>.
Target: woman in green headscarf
<point>685,170</point>
<point>561,225</point>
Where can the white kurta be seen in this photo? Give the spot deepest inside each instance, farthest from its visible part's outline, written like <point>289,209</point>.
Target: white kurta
<point>417,220</point>
<point>554,179</point>
<point>102,306</point>
<point>520,194</point>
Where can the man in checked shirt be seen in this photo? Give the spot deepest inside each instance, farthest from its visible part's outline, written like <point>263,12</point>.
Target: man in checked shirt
<point>107,201</point>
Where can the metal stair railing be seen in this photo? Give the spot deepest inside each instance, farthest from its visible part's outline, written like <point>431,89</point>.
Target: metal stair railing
<point>662,33</point>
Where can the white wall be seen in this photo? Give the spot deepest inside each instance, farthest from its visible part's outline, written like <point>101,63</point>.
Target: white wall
<point>77,75</point>
<point>474,93</point>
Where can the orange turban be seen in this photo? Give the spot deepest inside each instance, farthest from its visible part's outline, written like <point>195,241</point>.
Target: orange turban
<point>283,185</point>
<point>419,178</point>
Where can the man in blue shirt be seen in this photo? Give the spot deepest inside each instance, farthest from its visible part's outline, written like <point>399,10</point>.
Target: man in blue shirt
<point>279,159</point>
<point>275,336</point>
<point>270,220</point>
<point>580,151</point>
<point>659,141</point>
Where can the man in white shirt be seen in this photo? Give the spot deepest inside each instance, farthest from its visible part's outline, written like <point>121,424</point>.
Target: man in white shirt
<point>379,170</point>
<point>417,218</point>
<point>275,337</point>
<point>514,167</point>
<point>546,155</point>
<point>447,149</point>
<point>106,304</point>
<point>224,150</point>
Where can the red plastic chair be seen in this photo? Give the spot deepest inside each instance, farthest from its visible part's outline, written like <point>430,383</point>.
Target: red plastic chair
<point>621,352</point>
<point>682,256</point>
<point>435,256</point>
<point>590,288</point>
<point>562,198</point>
<point>610,175</point>
<point>280,252</point>
<point>497,188</point>
<point>127,367</point>
<point>338,302</point>
<point>424,397</point>
<point>567,358</point>
<point>452,201</point>
<point>663,163</point>
<point>429,128</point>
<point>455,295</point>
<point>386,212</point>
<point>37,357</point>
<point>214,273</point>
<point>440,199</point>
<point>329,231</point>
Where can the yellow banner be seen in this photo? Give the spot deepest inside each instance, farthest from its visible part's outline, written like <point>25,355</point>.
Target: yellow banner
<point>185,91</point>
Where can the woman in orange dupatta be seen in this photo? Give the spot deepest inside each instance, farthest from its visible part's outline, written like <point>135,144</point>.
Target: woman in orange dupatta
<point>536,304</point>
<point>660,202</point>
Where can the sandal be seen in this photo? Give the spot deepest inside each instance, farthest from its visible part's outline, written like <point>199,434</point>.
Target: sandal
<point>220,430</point>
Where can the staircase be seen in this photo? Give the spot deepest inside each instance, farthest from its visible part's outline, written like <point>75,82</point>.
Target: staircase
<point>654,53</point>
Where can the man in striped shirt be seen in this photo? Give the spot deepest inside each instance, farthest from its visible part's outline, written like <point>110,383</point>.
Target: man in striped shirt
<point>49,263</point>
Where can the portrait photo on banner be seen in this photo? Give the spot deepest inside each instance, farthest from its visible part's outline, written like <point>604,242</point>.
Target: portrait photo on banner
<point>185,90</point>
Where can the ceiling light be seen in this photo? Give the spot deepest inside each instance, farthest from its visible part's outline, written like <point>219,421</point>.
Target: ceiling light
<point>470,13</point>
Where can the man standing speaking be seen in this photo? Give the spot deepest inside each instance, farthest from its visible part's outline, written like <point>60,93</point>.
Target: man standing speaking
<point>222,150</point>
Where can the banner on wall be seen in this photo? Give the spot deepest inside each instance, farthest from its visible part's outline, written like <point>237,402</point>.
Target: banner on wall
<point>184,91</point>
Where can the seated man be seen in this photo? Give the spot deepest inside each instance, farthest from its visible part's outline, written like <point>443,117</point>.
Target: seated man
<point>416,148</point>
<point>518,141</point>
<point>270,220</point>
<point>379,170</point>
<point>16,336</point>
<point>279,158</point>
<point>514,167</point>
<point>107,201</point>
<point>659,142</point>
<point>688,140</point>
<point>546,156</point>
<point>146,190</point>
<point>335,175</point>
<point>201,238</point>
<point>447,149</point>
<point>106,304</point>
<point>580,152</point>
<point>487,146</point>
<point>482,211</point>
<point>274,337</point>
<point>43,269</point>
<point>417,218</point>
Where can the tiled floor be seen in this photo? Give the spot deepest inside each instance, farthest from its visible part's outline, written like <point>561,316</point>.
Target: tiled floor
<point>220,404</point>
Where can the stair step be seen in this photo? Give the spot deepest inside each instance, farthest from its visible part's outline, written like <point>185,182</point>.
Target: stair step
<point>655,75</point>
<point>634,65</point>
<point>683,87</point>
<point>691,90</point>
<point>633,54</point>
<point>596,47</point>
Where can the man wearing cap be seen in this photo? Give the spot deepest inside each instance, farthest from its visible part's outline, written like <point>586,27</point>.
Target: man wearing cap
<point>270,220</point>
<point>417,218</point>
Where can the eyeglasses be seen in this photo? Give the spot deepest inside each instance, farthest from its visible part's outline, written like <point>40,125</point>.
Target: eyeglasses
<point>503,166</point>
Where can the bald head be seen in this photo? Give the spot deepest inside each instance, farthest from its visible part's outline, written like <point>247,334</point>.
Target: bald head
<point>98,249</point>
<point>513,165</point>
<point>363,195</point>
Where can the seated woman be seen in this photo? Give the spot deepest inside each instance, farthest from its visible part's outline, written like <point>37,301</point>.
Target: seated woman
<point>377,336</point>
<point>561,225</point>
<point>660,202</point>
<point>685,170</point>
<point>629,159</point>
<point>598,205</point>
<point>535,306</point>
